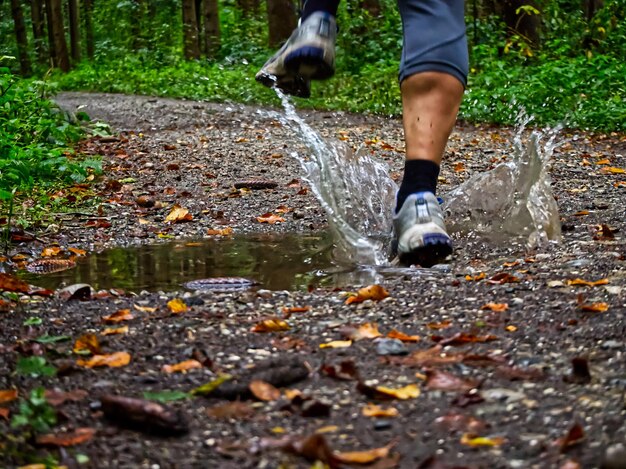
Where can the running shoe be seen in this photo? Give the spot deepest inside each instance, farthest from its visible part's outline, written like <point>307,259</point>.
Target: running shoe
<point>420,232</point>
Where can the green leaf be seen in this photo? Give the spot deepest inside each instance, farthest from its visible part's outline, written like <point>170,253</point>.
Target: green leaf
<point>34,367</point>
<point>52,339</point>
<point>211,386</point>
<point>33,321</point>
<point>165,396</point>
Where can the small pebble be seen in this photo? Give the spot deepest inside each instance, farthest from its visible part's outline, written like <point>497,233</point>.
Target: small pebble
<point>390,347</point>
<point>382,425</point>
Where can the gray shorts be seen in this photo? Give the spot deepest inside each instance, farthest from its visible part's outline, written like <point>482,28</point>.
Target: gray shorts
<point>434,38</point>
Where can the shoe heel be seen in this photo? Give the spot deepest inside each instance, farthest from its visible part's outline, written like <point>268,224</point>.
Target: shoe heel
<point>309,62</point>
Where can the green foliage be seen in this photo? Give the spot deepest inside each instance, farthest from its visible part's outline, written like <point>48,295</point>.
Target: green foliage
<point>34,139</point>
<point>165,396</point>
<point>35,413</point>
<point>34,367</point>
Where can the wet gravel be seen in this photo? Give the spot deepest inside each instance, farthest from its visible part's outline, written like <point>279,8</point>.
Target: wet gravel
<point>525,393</point>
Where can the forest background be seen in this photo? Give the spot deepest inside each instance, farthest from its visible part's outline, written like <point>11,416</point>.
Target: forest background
<point>561,61</point>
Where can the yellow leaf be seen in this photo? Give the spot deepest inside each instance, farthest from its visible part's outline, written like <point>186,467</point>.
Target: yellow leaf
<point>278,430</point>
<point>327,429</point>
<point>144,309</point>
<point>270,218</point>
<point>363,457</point>
<point>115,330</point>
<point>511,328</point>
<point>177,306</point>
<point>118,316</point>
<point>613,170</point>
<point>264,391</point>
<point>373,410</point>
<point>211,386</point>
<point>178,214</point>
<point>87,343</point>
<point>476,441</point>
<point>410,391</point>
<point>394,334</point>
<point>372,292</point>
<point>497,307</point>
<point>51,251</point>
<point>223,232</point>
<point>182,366</point>
<point>112,360</point>
<point>78,252</point>
<point>579,281</point>
<point>369,330</point>
<point>271,325</point>
<point>337,344</point>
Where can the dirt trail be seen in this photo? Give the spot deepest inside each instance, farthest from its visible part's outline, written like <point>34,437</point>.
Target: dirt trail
<point>494,358</point>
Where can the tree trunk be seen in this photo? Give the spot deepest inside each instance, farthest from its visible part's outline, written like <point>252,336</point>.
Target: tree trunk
<point>211,27</point>
<point>248,7</point>
<point>526,25</point>
<point>190,30</point>
<point>135,25</point>
<point>56,35</point>
<point>591,6</point>
<point>74,30</point>
<point>282,20</point>
<point>88,15</point>
<point>37,18</point>
<point>20,36</point>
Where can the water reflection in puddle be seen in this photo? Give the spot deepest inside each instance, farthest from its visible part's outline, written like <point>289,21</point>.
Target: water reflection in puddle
<point>276,262</point>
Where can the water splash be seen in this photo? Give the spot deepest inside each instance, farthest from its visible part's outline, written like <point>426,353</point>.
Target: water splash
<point>514,199</point>
<point>355,190</point>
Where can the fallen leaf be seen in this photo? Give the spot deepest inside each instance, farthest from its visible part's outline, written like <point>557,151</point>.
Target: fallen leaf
<point>10,283</point>
<point>288,311</point>
<point>144,415</point>
<point>503,277</point>
<point>57,398</point>
<point>7,395</point>
<point>270,218</point>
<point>574,436</point>
<point>51,251</point>
<point>444,381</point>
<point>231,410</point>
<point>475,278</point>
<point>346,370</point>
<point>460,422</point>
<point>327,429</point>
<point>178,214</point>
<point>87,343</point>
<point>271,325</point>
<point>211,386</point>
<point>363,457</point>
<point>461,338</point>
<point>433,356</point>
<point>603,233</point>
<point>336,344</point>
<point>264,391</point>
<point>144,309</point>
<point>410,391</point>
<point>439,325</point>
<point>78,436</point>
<point>223,232</point>
<point>459,167</point>
<point>115,330</point>
<point>4,413</point>
<point>594,307</point>
<point>474,441</point>
<point>581,213</point>
<point>182,367</point>
<point>510,328</point>
<point>78,252</point>
<point>497,307</point>
<point>112,360</point>
<point>118,316</point>
<point>372,292</point>
<point>369,330</point>
<point>510,264</point>
<point>177,306</point>
<point>373,410</point>
<point>579,281</point>
<point>394,334</point>
<point>282,209</point>
<point>613,170</point>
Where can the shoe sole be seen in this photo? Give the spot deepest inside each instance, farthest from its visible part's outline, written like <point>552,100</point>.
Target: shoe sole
<point>433,248</point>
<point>296,89</point>
<point>309,62</point>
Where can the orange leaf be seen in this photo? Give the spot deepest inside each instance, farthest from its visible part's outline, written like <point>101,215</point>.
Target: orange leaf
<point>51,251</point>
<point>459,167</point>
<point>581,213</point>
<point>394,334</point>
<point>270,218</point>
<point>4,413</point>
<point>575,435</point>
<point>264,391</point>
<point>613,170</point>
<point>510,264</point>
<point>282,209</point>
<point>177,306</point>
<point>410,391</point>
<point>604,161</point>
<point>475,278</point>
<point>112,360</point>
<point>182,366</point>
<point>337,344</point>
<point>223,232</point>
<point>7,395</point>
<point>439,325</point>
<point>372,292</point>
<point>178,214</point>
<point>502,278</point>
<point>510,328</point>
<point>363,457</point>
<point>288,311</point>
<point>10,283</point>
<point>579,281</point>
<point>115,330</point>
<point>497,307</point>
<point>78,252</point>
<point>78,436</point>
<point>373,410</point>
<point>87,343</point>
<point>369,330</point>
<point>594,307</point>
<point>271,325</point>
<point>118,316</point>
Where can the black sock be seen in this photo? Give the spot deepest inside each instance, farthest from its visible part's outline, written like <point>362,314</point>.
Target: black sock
<point>311,6</point>
<point>419,176</point>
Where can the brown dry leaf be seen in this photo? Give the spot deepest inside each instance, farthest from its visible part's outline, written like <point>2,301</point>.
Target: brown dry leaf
<point>118,316</point>
<point>337,344</point>
<point>182,367</point>
<point>369,330</point>
<point>433,356</point>
<point>270,218</point>
<point>581,213</point>
<point>394,334</point>
<point>231,410</point>
<point>475,441</point>
<point>497,307</point>
<point>78,436</point>
<point>444,381</point>
<point>271,325</point>
<point>580,281</point>
<point>10,283</point>
<point>296,309</point>
<point>363,457</point>
<point>459,167</point>
<point>575,435</point>
<point>475,278</point>
<point>503,277</point>
<point>78,252</point>
<point>282,209</point>
<point>511,264</point>
<point>264,391</point>
<point>177,306</point>
<point>603,233</point>
<point>594,307</point>
<point>613,170</point>
<point>223,232</point>
<point>410,391</point>
<point>144,309</point>
<point>346,370</point>
<point>510,328</point>
<point>4,413</point>
<point>460,422</point>
<point>57,398</point>
<point>112,360</point>
<point>51,251</point>
<point>439,325</point>
<point>461,338</point>
<point>178,214</point>
<point>372,292</point>
<point>7,395</point>
<point>87,343</point>
<point>373,410</point>
<point>115,330</point>
<point>603,161</point>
